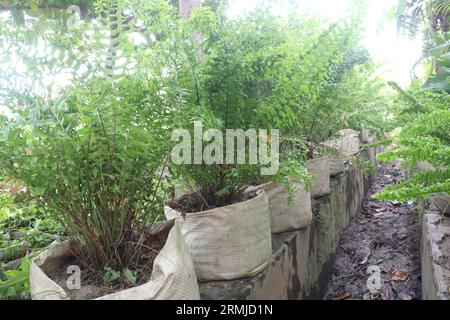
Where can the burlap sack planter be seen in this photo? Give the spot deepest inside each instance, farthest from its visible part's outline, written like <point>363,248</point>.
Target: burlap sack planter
<point>350,145</point>
<point>336,159</point>
<point>173,276</point>
<point>319,168</point>
<point>372,151</point>
<point>346,146</point>
<point>442,201</point>
<point>349,142</point>
<point>379,149</point>
<point>372,157</point>
<point>365,135</point>
<point>230,242</point>
<point>425,166</point>
<point>285,216</point>
<point>337,164</point>
<point>349,133</point>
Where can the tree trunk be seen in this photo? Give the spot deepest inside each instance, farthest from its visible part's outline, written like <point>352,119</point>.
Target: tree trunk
<point>186,7</point>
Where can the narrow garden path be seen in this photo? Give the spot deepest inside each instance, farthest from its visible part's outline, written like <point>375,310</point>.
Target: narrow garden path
<point>384,235</point>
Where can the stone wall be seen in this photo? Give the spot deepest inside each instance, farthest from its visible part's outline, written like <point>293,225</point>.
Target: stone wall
<point>435,253</point>
<point>302,260</point>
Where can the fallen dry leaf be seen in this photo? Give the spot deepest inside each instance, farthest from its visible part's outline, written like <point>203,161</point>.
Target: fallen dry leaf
<point>340,296</point>
<point>400,275</point>
<point>384,294</point>
<point>374,205</point>
<point>377,214</point>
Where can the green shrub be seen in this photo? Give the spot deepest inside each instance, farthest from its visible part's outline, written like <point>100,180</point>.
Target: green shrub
<point>94,155</point>
<point>424,138</point>
<point>14,284</point>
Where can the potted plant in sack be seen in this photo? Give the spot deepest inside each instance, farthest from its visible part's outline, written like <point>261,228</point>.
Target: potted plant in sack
<point>302,104</point>
<point>226,225</point>
<point>341,148</point>
<point>301,132</point>
<point>347,142</point>
<point>288,191</point>
<point>236,79</point>
<point>93,155</point>
<point>301,135</point>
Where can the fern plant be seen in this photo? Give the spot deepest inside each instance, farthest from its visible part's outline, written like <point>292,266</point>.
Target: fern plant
<point>299,104</point>
<point>425,138</point>
<point>92,155</point>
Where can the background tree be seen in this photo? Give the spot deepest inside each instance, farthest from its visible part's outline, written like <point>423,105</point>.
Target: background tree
<point>431,17</point>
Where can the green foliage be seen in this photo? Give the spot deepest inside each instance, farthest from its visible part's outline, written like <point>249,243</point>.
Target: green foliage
<point>93,155</point>
<point>105,42</point>
<point>21,215</point>
<point>303,103</point>
<point>432,17</point>
<point>14,284</point>
<point>130,275</point>
<point>440,53</point>
<point>241,64</point>
<point>93,151</point>
<point>425,138</point>
<point>433,14</point>
<point>110,276</point>
<point>420,186</point>
<point>218,185</point>
<point>366,166</point>
<point>33,221</point>
<point>358,100</point>
<point>262,71</point>
<point>423,114</point>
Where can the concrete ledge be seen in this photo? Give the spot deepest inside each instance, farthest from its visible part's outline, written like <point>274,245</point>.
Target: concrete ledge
<point>302,260</point>
<point>435,255</point>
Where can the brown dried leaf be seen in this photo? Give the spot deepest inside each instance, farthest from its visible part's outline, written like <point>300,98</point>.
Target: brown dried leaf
<point>374,205</point>
<point>377,214</point>
<point>400,275</point>
<point>340,296</point>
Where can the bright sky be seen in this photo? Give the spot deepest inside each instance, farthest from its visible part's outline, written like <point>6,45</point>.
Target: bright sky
<point>396,55</point>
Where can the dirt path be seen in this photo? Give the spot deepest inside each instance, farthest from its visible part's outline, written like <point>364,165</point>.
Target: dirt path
<point>384,235</point>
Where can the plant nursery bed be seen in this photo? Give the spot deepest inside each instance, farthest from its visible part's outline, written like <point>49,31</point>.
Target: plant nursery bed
<point>92,284</point>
